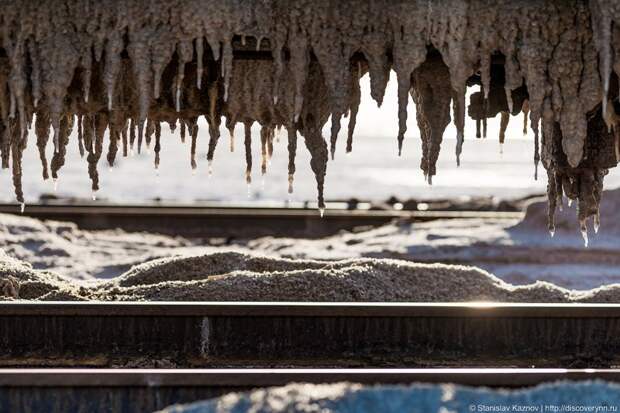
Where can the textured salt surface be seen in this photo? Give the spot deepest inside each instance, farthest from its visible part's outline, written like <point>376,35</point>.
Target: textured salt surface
<point>519,252</point>
<point>174,268</point>
<point>234,276</point>
<point>65,249</point>
<point>587,396</point>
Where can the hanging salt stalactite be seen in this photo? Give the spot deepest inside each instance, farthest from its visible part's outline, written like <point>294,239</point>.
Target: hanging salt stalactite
<point>114,129</point>
<point>231,138</point>
<point>112,66</point>
<point>193,131</point>
<point>432,94</point>
<point>17,149</point>
<point>526,110</point>
<point>42,130</point>
<point>214,120</point>
<point>157,145</point>
<point>127,67</point>
<point>184,55</point>
<point>292,150</point>
<point>503,125</point>
<point>354,102</point>
<point>58,159</point>
<point>141,59</point>
<point>411,29</point>
<point>199,61</point>
<point>248,152</point>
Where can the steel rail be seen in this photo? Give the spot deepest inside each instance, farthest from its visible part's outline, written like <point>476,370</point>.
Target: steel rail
<point>212,334</point>
<point>251,378</point>
<point>215,220</point>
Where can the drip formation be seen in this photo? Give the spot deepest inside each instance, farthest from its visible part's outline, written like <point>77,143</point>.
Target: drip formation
<point>115,70</point>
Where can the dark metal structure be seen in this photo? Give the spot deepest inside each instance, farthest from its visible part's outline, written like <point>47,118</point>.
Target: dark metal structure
<point>226,334</point>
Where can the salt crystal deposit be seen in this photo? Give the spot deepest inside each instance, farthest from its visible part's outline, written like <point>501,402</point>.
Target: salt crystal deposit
<point>116,70</point>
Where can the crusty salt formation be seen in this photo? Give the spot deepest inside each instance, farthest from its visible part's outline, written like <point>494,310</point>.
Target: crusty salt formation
<point>115,69</point>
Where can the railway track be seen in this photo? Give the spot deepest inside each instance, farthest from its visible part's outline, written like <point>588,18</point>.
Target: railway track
<point>144,390</point>
<point>213,220</point>
<point>240,334</point>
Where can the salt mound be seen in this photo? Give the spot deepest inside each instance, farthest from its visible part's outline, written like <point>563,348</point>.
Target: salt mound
<point>233,276</point>
<point>349,398</point>
<point>242,277</point>
<point>18,280</point>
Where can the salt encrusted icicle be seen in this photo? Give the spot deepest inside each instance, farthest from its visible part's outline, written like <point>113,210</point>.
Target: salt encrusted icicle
<point>157,148</point>
<point>150,130</point>
<point>409,52</point>
<point>124,137</point>
<point>193,130</point>
<point>184,55</point>
<point>298,63</point>
<point>335,129</point>
<point>503,125</point>
<point>214,120</point>
<point>199,61</point>
<point>17,83</point>
<point>227,62</point>
<point>182,131</point>
<point>42,131</point>
<point>35,74</point>
<point>160,58</point>
<point>432,94</point>
<point>214,136</point>
<point>264,137</point>
<point>99,125</point>
<point>278,69</point>
<point>86,63</point>
<point>112,66</point>
<point>58,160</point>
<point>526,110</point>
<point>114,129</point>
<point>247,129</point>
<point>132,135</point>
<point>17,149</point>
<point>231,137</point>
<point>354,102</point>
<point>318,162</point>
<point>458,107</point>
<point>292,151</point>
<point>139,52</point>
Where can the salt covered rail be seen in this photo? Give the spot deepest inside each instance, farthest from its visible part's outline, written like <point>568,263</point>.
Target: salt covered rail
<point>147,390</point>
<point>253,334</point>
<point>213,220</point>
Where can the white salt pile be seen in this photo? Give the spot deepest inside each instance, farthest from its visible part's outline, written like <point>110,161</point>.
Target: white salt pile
<point>518,252</point>
<point>583,396</point>
<point>233,276</point>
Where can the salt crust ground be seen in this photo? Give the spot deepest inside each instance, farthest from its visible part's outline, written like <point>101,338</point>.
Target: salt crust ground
<point>418,398</point>
<point>234,276</point>
<point>54,260</point>
<point>519,252</point>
